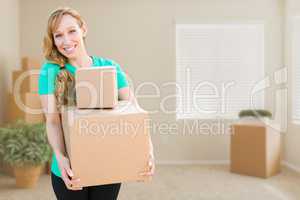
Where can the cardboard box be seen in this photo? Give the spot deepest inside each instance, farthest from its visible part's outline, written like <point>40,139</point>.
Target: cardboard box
<point>30,63</point>
<point>107,145</point>
<point>27,81</point>
<point>31,102</point>
<point>255,149</point>
<point>96,87</point>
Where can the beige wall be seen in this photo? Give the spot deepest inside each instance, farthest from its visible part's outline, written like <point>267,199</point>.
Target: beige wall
<point>9,48</point>
<point>140,36</point>
<point>292,138</point>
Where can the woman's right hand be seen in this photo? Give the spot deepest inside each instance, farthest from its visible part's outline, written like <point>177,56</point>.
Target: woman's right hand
<point>67,174</point>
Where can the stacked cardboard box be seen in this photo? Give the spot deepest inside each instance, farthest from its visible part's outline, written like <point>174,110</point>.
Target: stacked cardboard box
<point>30,63</point>
<point>23,102</point>
<point>106,145</point>
<point>25,81</point>
<point>255,149</point>
<point>24,106</point>
<point>99,91</point>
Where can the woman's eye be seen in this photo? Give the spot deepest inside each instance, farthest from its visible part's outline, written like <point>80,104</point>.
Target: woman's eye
<point>57,36</point>
<point>72,31</point>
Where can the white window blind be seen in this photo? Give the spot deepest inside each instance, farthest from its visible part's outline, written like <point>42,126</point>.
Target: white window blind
<point>295,39</point>
<point>217,69</point>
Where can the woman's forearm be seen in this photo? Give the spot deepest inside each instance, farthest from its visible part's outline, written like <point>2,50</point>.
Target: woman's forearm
<point>151,147</point>
<point>128,95</point>
<point>56,138</point>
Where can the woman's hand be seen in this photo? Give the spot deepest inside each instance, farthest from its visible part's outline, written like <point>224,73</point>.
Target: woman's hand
<point>67,174</point>
<point>151,167</point>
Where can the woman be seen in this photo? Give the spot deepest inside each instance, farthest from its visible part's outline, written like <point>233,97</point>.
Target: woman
<point>65,51</point>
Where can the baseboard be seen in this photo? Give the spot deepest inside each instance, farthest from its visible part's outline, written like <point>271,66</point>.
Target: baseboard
<point>215,162</point>
<point>291,166</point>
<point>193,162</point>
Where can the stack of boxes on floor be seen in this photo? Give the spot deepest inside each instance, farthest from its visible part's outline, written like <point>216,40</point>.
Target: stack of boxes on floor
<point>24,97</point>
<point>106,145</point>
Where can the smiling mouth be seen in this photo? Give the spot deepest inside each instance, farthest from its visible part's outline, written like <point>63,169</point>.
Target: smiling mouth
<point>69,50</point>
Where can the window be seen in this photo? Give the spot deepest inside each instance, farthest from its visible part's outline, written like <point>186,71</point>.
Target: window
<point>218,67</point>
<point>295,41</point>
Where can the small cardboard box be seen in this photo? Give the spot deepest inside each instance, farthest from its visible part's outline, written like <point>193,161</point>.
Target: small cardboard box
<point>255,149</point>
<point>27,81</point>
<point>28,108</point>
<point>30,63</point>
<point>107,145</point>
<point>96,87</point>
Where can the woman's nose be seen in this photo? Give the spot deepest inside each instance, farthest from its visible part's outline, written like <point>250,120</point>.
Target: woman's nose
<point>66,40</point>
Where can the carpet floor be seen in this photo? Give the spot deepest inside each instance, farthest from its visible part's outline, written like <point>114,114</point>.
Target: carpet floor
<point>181,182</point>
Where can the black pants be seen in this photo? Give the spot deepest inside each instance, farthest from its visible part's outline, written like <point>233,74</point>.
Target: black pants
<point>101,192</point>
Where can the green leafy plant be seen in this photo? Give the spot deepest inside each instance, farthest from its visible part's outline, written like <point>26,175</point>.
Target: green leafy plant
<point>23,144</point>
<point>3,137</point>
<point>255,113</point>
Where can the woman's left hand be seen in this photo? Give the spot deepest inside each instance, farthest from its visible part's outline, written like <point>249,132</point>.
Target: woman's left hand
<point>151,167</point>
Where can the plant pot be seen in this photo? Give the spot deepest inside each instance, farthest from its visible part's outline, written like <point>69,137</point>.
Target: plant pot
<point>6,169</point>
<point>27,176</point>
<point>49,168</point>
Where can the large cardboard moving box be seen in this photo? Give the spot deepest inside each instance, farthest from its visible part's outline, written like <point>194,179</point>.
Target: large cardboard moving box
<point>96,87</point>
<point>107,145</point>
<point>30,113</point>
<point>255,149</point>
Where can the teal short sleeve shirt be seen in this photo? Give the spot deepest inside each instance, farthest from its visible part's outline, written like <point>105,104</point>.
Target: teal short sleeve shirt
<point>47,79</point>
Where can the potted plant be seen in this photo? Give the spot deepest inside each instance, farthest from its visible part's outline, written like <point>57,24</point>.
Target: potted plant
<point>5,167</point>
<point>259,113</point>
<point>256,113</point>
<point>255,116</point>
<point>2,142</point>
<point>26,148</point>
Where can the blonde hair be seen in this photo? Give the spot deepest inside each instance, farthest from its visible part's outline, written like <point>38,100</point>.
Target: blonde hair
<point>64,83</point>
<point>51,52</point>
<point>65,89</point>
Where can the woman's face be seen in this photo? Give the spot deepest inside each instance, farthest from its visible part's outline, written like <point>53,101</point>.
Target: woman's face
<point>68,37</point>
